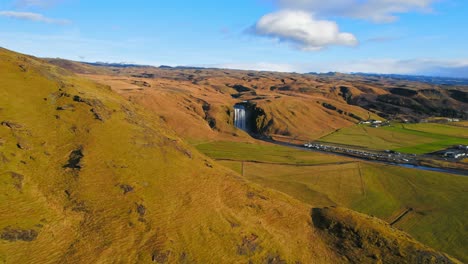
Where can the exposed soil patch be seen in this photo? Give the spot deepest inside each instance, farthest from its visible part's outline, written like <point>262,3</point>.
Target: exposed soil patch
<point>98,108</point>
<point>249,245</point>
<point>11,125</point>
<point>144,75</point>
<point>253,195</point>
<point>160,257</point>
<point>66,107</point>
<point>141,210</point>
<point>74,160</point>
<point>126,188</point>
<point>141,83</point>
<point>80,206</point>
<point>17,180</point>
<point>12,234</point>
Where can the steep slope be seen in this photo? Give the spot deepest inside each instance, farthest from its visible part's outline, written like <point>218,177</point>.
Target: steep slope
<point>87,177</point>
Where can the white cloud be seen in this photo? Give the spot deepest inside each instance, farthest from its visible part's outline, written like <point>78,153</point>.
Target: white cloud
<point>36,3</point>
<point>303,30</point>
<point>375,10</point>
<point>32,17</point>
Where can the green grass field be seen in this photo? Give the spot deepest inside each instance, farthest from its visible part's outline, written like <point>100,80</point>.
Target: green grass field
<point>407,138</point>
<point>438,201</point>
<point>264,153</point>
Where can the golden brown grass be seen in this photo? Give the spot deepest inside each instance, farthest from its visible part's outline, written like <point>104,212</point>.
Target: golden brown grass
<point>104,181</point>
<point>183,207</point>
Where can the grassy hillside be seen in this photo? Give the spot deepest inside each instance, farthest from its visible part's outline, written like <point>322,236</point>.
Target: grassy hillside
<point>437,201</point>
<point>88,177</point>
<point>408,138</point>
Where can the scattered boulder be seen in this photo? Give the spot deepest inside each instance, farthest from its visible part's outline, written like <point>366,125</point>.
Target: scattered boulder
<point>126,188</point>
<point>248,245</point>
<point>141,209</point>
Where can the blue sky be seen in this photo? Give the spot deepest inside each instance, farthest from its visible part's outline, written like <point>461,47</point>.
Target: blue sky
<point>384,36</point>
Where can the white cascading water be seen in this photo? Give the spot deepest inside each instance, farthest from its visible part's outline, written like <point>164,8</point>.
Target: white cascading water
<point>239,117</point>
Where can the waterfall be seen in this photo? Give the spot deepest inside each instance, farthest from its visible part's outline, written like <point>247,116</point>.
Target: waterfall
<point>240,117</point>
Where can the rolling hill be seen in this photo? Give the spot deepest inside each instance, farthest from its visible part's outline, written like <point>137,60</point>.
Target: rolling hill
<point>288,106</point>
<point>88,176</point>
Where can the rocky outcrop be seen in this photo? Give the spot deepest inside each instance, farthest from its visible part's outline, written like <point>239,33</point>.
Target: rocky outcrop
<point>364,239</point>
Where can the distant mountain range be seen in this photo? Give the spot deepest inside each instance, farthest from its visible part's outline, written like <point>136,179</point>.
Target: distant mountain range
<point>126,65</point>
<point>420,78</point>
<point>416,78</point>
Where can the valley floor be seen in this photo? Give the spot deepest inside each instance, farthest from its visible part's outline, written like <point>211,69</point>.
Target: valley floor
<point>413,200</point>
